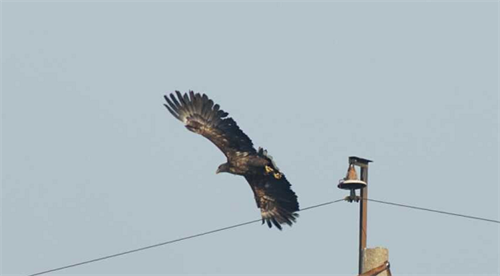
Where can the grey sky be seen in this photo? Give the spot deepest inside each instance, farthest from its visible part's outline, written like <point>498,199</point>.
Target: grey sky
<point>92,163</point>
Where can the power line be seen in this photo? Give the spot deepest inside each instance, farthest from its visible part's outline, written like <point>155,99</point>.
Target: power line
<point>171,241</point>
<point>251,222</point>
<point>145,247</point>
<point>431,210</point>
<point>322,204</point>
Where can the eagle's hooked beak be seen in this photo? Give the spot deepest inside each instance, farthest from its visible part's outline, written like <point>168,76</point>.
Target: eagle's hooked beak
<point>222,168</point>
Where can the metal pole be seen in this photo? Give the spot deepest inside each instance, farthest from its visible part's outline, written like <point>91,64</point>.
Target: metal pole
<point>363,164</point>
<point>363,209</point>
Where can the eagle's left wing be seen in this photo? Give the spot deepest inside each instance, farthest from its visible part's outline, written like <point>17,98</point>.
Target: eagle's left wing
<point>276,200</point>
<point>200,115</point>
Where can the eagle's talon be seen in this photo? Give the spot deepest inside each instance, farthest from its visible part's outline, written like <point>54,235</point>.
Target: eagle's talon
<point>268,169</point>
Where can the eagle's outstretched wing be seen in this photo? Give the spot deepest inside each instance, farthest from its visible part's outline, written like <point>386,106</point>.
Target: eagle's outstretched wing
<point>276,200</point>
<point>200,115</point>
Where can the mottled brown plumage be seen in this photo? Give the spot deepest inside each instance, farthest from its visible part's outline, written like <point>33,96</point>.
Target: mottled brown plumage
<point>276,200</point>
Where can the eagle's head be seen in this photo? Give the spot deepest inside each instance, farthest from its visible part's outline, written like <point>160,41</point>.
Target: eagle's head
<point>223,168</point>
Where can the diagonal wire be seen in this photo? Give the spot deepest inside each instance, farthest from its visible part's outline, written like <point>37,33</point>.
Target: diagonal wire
<point>322,204</point>
<point>171,241</point>
<point>251,222</point>
<point>431,210</point>
<point>145,248</point>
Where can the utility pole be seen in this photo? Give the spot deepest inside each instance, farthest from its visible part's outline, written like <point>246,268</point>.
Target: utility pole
<point>371,261</point>
<point>363,206</point>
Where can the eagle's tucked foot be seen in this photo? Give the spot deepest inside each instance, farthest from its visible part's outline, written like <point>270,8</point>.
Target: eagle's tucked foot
<point>275,173</point>
<point>268,169</point>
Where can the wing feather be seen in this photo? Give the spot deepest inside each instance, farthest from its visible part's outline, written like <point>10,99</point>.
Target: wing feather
<point>172,112</point>
<point>179,96</point>
<point>176,104</point>
<point>171,105</point>
<point>200,115</point>
<point>275,198</point>
<point>199,104</point>
<point>207,107</point>
<point>188,105</point>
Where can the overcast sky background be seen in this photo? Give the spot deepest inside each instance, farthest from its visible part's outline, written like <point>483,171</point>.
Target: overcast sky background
<point>93,164</point>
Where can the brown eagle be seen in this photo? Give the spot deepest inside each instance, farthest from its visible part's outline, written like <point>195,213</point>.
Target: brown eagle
<point>276,200</point>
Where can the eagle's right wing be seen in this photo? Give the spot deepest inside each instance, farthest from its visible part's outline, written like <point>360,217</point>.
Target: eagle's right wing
<point>277,202</point>
<point>200,115</point>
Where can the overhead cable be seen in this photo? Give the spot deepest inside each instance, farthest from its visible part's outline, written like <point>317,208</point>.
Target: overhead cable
<point>431,210</point>
<point>170,241</point>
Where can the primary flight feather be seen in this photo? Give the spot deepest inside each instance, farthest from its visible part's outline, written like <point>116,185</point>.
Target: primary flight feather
<point>277,202</point>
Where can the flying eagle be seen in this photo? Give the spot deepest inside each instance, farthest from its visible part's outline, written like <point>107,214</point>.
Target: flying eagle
<point>276,200</point>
